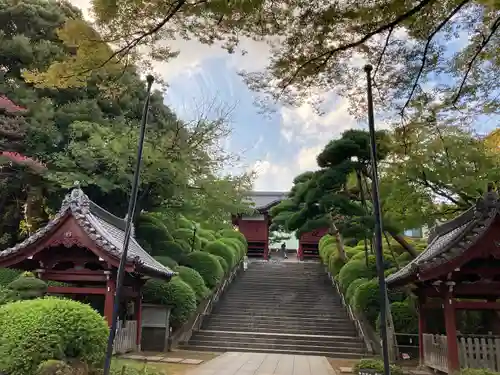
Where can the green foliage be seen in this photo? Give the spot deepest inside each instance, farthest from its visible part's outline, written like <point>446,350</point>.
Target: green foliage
<point>237,246</point>
<point>27,286</point>
<point>477,371</point>
<point>223,264</point>
<point>37,330</point>
<point>326,251</point>
<point>194,280</point>
<point>327,239</point>
<point>206,234</point>
<point>54,367</point>
<point>184,223</point>
<point>229,233</point>
<point>404,317</point>
<point>176,294</point>
<point>367,300</point>
<point>335,264</point>
<point>221,249</point>
<point>7,295</point>
<point>189,236</point>
<point>7,275</point>
<point>349,295</point>
<point>354,269</point>
<point>377,365</point>
<point>207,265</point>
<point>153,231</point>
<point>167,261</point>
<point>172,249</point>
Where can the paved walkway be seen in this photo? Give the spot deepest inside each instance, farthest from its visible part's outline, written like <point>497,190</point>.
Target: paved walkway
<point>264,364</point>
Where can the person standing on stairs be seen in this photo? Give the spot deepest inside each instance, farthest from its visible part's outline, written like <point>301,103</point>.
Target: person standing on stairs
<point>283,249</point>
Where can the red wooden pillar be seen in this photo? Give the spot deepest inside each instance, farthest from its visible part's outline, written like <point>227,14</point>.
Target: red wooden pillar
<point>422,327</point>
<point>138,316</point>
<point>266,237</point>
<point>451,332</point>
<point>109,297</point>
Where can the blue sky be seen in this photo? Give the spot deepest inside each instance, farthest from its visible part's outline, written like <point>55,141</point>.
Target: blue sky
<point>277,145</point>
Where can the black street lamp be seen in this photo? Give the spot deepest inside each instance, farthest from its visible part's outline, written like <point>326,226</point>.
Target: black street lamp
<point>195,228</point>
<point>130,214</point>
<point>378,224</point>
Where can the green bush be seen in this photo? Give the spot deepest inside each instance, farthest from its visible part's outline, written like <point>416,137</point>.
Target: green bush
<point>326,239</point>
<point>207,234</point>
<point>151,230</point>
<point>354,269</point>
<point>366,300</point>
<point>207,265</point>
<point>221,249</point>
<point>7,295</point>
<point>171,249</point>
<point>326,252</point>
<point>404,317</point>
<point>477,371</point>
<point>223,264</point>
<point>8,275</point>
<point>185,245</point>
<point>390,271</point>
<point>229,233</point>
<point>194,280</point>
<point>167,262</point>
<point>182,222</point>
<point>34,331</point>
<point>377,365</point>
<point>234,243</point>
<point>187,235</point>
<point>350,252</point>
<point>27,286</point>
<point>349,295</point>
<point>404,258</point>
<point>54,367</point>
<point>335,264</point>
<point>176,294</point>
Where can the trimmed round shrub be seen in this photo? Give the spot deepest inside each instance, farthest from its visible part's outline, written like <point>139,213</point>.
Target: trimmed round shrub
<point>335,264</point>
<point>350,252</point>
<point>359,256</point>
<point>229,233</point>
<point>6,295</point>
<point>176,294</point>
<point>37,330</point>
<point>151,230</point>
<point>207,265</point>
<point>223,250</point>
<point>223,264</point>
<point>194,280</point>
<point>377,365</point>
<point>404,317</point>
<point>171,249</point>
<point>326,251</point>
<point>390,271</point>
<point>27,286</point>
<point>207,234</point>
<point>189,236</point>
<point>349,295</point>
<point>366,300</point>
<point>185,245</point>
<point>182,222</point>
<point>167,262</point>
<point>327,239</point>
<point>8,275</point>
<point>235,244</point>
<point>354,269</point>
<point>404,258</point>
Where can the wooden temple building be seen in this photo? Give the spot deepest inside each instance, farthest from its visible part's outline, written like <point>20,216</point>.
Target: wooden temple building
<point>81,248</point>
<point>255,227</point>
<point>459,270</point>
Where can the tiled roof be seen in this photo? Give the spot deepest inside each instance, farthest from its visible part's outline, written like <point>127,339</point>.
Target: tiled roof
<point>264,200</point>
<point>104,228</point>
<point>8,106</point>
<point>453,238</point>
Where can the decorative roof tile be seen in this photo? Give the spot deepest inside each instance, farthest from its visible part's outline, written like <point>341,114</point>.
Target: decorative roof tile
<point>104,228</point>
<point>264,200</point>
<point>453,238</point>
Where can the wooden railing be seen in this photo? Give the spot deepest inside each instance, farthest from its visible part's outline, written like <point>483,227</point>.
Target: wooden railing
<point>126,337</point>
<point>436,351</point>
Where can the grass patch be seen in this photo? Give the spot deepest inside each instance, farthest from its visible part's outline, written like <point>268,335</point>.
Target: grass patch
<point>157,367</point>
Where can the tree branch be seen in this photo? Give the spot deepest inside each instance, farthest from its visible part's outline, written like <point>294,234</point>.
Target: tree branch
<point>426,50</point>
<point>344,47</point>
<point>480,48</point>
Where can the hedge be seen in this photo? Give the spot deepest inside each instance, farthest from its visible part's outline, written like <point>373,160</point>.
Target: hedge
<point>151,230</point>
<point>335,264</point>
<point>404,317</point>
<point>326,240</point>
<point>377,365</point>
<point>221,249</point>
<point>171,249</point>
<point>167,262</point>
<point>223,264</point>
<point>366,300</point>
<point>27,286</point>
<point>182,222</point>
<point>349,295</point>
<point>238,247</point>
<point>207,234</point>
<point>229,233</point>
<point>354,269</point>
<point>187,235</point>
<point>37,330</point>
<point>207,265</point>
<point>176,294</point>
<point>326,251</point>
<point>8,275</point>
<point>194,280</point>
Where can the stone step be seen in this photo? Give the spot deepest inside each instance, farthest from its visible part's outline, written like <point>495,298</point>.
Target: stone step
<point>285,297</point>
<point>279,330</point>
<point>282,322</point>
<point>300,351</point>
<point>283,311</point>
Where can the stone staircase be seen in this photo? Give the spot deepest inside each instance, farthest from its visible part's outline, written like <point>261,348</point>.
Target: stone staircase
<point>282,308</point>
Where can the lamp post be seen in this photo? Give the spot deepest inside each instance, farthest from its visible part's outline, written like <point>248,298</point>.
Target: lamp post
<point>378,224</point>
<point>195,228</point>
<point>128,226</point>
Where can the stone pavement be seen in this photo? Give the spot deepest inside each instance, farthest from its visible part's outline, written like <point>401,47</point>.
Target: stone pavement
<point>264,364</point>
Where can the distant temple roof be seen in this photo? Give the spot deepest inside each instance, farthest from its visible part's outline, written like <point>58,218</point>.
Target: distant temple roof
<point>8,106</point>
<point>452,239</point>
<point>264,200</point>
<point>104,228</point>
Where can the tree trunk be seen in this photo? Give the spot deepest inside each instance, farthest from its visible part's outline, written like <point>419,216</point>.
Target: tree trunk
<point>338,239</point>
<point>400,240</point>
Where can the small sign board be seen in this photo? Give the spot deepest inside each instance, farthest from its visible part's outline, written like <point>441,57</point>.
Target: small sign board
<point>368,371</point>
